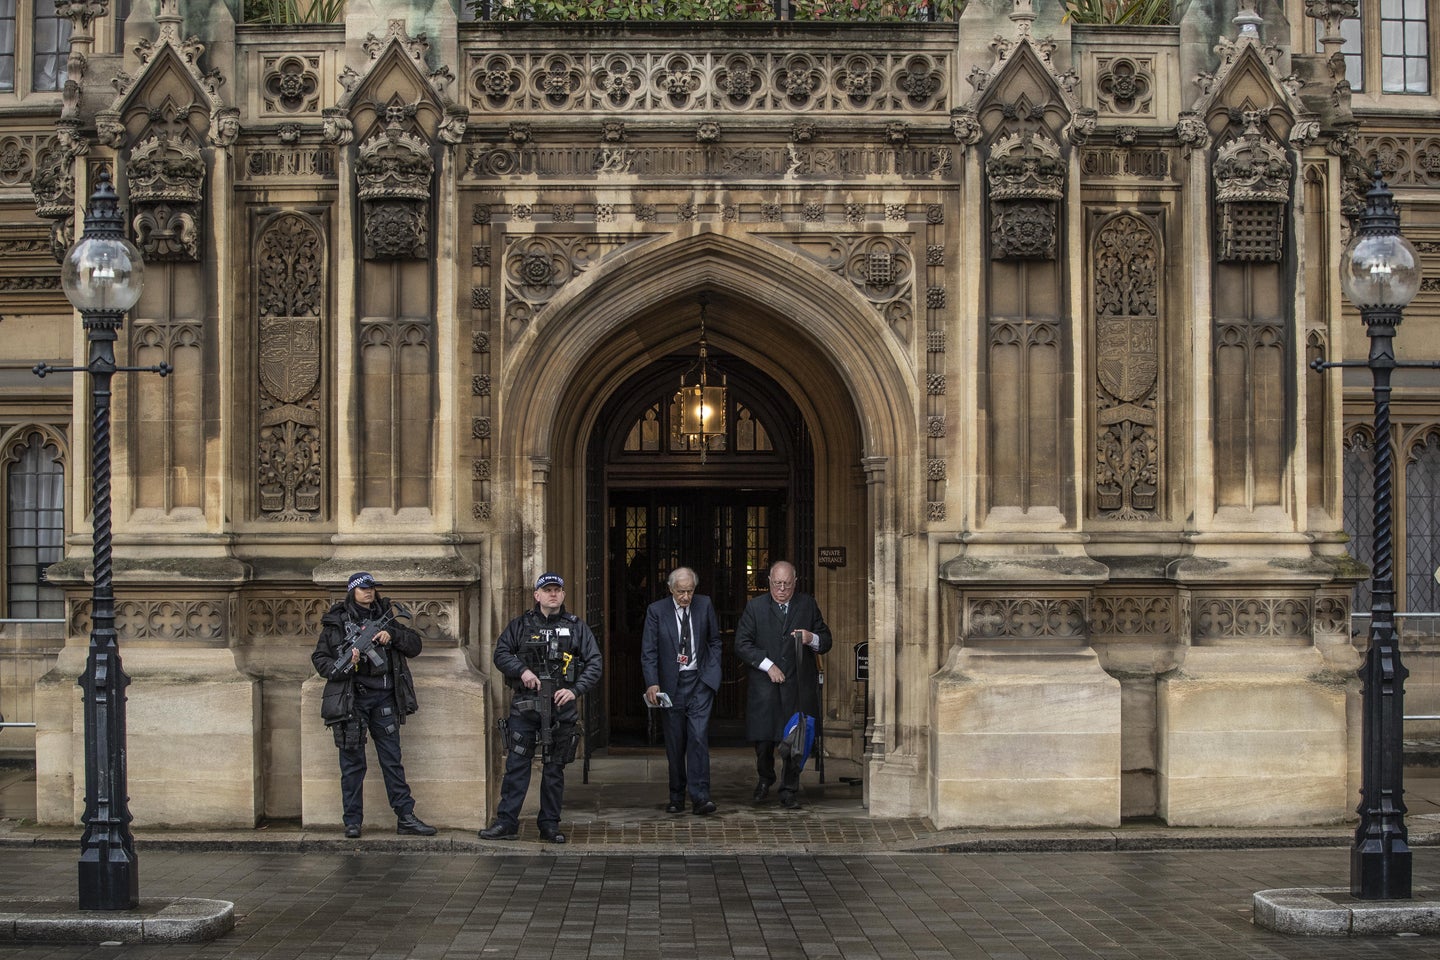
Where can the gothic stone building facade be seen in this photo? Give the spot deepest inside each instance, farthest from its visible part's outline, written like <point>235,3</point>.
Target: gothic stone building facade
<point>1013,318</point>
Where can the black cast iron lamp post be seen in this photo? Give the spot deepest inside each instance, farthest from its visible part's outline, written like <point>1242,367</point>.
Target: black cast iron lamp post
<point>1380,274</point>
<point>102,276</point>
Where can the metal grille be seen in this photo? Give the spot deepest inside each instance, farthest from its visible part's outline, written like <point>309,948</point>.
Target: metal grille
<point>1252,231</point>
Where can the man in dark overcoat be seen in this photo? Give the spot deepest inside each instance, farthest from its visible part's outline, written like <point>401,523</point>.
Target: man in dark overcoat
<point>779,636</point>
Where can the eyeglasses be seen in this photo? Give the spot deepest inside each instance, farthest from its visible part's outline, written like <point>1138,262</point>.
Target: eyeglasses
<point>782,583</point>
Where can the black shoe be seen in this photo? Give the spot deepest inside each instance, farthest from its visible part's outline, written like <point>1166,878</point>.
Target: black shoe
<point>704,808</point>
<point>499,831</point>
<point>762,790</point>
<point>551,835</point>
<point>788,801</point>
<point>352,831</point>
<point>411,825</point>
<point>674,806</point>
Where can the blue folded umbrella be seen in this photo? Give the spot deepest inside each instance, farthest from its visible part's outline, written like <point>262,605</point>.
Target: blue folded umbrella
<point>799,738</point>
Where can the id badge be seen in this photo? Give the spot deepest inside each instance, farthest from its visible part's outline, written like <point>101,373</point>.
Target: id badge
<point>681,659</point>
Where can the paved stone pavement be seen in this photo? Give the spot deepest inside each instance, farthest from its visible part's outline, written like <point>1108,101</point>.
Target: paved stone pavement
<point>828,881</point>
<point>1158,905</point>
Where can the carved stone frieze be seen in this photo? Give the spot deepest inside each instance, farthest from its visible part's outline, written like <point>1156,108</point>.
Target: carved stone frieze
<point>162,619</point>
<point>1024,618</point>
<point>1218,620</point>
<point>1404,160</point>
<point>283,617</point>
<point>786,162</point>
<point>1332,615</point>
<point>394,170</point>
<point>1132,615</point>
<point>1126,296</point>
<point>290,295</point>
<point>633,79</point>
<point>166,175</point>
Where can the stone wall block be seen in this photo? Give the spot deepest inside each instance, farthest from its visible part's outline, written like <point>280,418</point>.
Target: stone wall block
<point>1034,735</point>
<point>442,746</point>
<point>1251,748</point>
<point>192,752</point>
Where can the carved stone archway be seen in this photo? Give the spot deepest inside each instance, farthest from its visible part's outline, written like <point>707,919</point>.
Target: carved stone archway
<point>773,308</point>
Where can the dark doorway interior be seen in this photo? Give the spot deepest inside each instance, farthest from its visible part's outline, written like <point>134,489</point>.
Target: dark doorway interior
<point>658,499</point>
<point>729,537</point>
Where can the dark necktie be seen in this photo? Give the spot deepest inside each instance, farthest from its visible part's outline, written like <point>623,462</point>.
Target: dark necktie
<point>784,609</point>
<point>685,633</point>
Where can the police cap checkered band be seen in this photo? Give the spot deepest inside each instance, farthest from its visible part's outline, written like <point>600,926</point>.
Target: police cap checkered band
<point>361,579</point>
<point>550,580</point>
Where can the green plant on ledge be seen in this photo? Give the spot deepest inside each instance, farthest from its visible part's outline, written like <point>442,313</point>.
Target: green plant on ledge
<point>1134,13</point>
<point>702,10</point>
<point>287,12</point>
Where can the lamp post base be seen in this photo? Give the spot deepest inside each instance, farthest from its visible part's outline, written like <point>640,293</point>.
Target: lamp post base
<point>1377,873</point>
<point>109,879</point>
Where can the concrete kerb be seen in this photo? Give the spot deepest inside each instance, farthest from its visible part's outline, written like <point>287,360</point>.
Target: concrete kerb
<point>1333,912</point>
<point>56,920</point>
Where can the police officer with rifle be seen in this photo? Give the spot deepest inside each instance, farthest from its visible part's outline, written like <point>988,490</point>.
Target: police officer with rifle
<point>363,654</point>
<point>549,657</point>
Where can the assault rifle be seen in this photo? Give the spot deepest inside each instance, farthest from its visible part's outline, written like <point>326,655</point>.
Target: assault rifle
<point>361,636</point>
<point>544,658</point>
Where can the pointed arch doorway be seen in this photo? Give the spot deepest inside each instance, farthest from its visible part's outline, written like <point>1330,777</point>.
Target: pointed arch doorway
<point>727,511</point>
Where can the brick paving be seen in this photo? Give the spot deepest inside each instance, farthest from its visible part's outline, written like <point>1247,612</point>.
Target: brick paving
<point>1161,905</point>
<point>827,881</point>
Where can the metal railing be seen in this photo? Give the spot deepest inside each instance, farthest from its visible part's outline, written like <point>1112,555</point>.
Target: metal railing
<point>15,680</point>
<point>1433,635</point>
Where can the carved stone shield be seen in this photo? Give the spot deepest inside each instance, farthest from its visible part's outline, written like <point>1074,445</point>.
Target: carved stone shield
<point>289,356</point>
<point>1126,361</point>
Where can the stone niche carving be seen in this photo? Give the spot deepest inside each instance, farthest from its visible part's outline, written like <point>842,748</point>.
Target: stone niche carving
<point>166,174</point>
<point>1126,258</point>
<point>290,293</point>
<point>1252,189</point>
<point>1026,175</point>
<point>395,169</point>
<point>53,187</point>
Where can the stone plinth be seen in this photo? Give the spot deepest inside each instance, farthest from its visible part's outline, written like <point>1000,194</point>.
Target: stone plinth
<point>1025,740</point>
<point>1251,737</point>
<point>192,726</point>
<point>443,747</point>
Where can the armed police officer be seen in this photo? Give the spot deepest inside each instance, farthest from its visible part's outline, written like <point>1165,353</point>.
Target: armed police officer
<point>362,654</point>
<point>549,657</point>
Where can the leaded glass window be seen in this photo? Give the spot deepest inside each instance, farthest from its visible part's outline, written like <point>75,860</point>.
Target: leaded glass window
<point>1359,509</point>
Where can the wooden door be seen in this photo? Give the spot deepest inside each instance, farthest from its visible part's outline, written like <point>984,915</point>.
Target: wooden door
<point>729,537</point>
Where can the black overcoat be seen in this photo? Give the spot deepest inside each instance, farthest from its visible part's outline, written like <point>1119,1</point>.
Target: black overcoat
<point>763,633</point>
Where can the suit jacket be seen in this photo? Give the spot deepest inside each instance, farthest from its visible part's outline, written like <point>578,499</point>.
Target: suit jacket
<point>660,644</point>
<point>763,633</point>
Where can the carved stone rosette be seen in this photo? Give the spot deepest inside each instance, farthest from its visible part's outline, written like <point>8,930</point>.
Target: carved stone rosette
<point>394,169</point>
<point>166,174</point>
<point>1026,175</point>
<point>1252,189</point>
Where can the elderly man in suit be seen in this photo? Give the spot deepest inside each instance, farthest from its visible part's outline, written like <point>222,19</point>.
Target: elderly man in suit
<point>779,635</point>
<point>680,654</point>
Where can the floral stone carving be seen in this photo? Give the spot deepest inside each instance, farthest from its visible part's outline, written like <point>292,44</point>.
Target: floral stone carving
<point>395,169</point>
<point>166,174</point>
<point>1026,175</point>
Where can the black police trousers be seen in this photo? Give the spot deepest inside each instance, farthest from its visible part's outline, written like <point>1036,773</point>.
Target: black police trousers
<point>516,784</point>
<point>375,709</point>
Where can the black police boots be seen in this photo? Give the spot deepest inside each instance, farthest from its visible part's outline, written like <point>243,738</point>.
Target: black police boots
<point>412,825</point>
